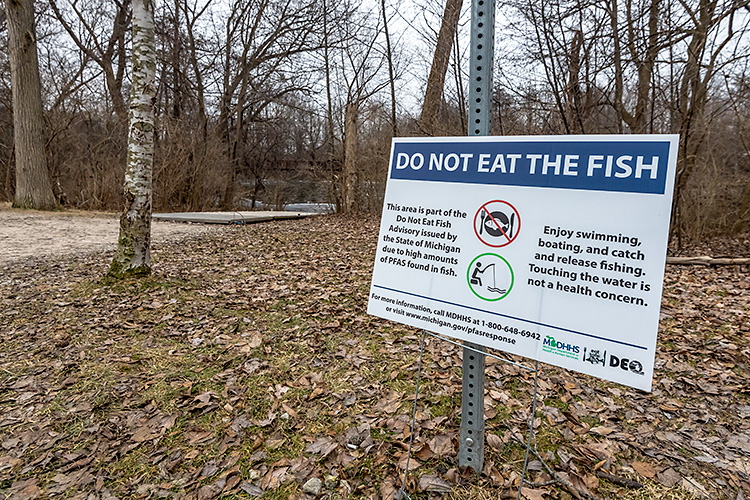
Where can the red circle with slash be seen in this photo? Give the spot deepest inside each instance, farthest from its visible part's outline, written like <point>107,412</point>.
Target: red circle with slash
<point>497,223</point>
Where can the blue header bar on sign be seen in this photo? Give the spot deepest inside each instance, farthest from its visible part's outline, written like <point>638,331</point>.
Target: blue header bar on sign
<point>626,166</point>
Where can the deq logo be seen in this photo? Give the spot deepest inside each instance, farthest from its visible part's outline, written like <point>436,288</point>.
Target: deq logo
<point>626,364</point>
<point>597,357</point>
<point>549,344</point>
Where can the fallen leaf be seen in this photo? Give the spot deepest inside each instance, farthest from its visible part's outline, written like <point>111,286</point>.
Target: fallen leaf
<point>388,490</point>
<point>199,437</point>
<point>144,434</point>
<point>532,494</point>
<point>645,469</point>
<point>251,489</point>
<point>601,431</point>
<point>494,441</point>
<point>669,478</point>
<point>434,484</point>
<point>273,479</point>
<point>323,446</point>
<point>413,462</point>
<point>442,445</point>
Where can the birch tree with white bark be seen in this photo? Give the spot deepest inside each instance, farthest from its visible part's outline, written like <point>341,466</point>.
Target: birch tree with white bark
<point>133,256</point>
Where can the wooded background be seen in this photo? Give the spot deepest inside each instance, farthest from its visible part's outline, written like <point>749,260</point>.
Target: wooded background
<point>278,101</point>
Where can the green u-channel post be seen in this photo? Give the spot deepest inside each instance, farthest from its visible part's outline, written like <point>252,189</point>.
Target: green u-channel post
<point>471,445</point>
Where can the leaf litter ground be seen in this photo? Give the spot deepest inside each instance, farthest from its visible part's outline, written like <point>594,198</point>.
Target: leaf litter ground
<point>246,366</point>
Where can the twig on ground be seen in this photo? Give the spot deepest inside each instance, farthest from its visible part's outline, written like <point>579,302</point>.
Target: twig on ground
<point>705,260</point>
<point>622,481</point>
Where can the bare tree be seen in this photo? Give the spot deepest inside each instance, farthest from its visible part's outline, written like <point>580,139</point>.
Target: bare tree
<point>716,29</point>
<point>192,13</point>
<point>262,43</point>
<point>436,81</point>
<point>641,48</point>
<point>103,44</point>
<point>33,189</point>
<point>133,256</point>
<point>362,61</point>
<point>391,74</point>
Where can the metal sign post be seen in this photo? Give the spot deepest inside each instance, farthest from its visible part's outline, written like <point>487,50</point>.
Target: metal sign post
<point>471,446</point>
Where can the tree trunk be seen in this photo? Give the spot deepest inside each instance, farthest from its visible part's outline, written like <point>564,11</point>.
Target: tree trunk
<point>644,60</point>
<point>199,86</point>
<point>33,188</point>
<point>391,77</point>
<point>351,140</point>
<point>330,160</point>
<point>133,255</point>
<point>573,92</point>
<point>693,95</point>
<point>436,81</point>
<point>177,80</point>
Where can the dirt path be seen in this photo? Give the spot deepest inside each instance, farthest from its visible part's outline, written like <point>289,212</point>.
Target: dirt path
<point>30,234</point>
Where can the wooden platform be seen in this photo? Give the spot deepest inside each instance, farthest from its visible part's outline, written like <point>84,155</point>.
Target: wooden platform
<point>229,217</point>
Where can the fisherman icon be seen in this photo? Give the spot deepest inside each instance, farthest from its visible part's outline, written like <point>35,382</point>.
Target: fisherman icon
<point>490,277</point>
<point>497,223</point>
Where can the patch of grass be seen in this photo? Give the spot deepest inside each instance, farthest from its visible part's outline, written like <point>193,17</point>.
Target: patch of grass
<point>134,464</point>
<point>557,403</point>
<point>162,394</point>
<point>591,420</point>
<point>443,406</point>
<point>503,414</point>
<point>512,385</point>
<point>285,491</point>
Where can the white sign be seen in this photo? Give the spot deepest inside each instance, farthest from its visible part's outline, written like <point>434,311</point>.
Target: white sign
<point>551,248</point>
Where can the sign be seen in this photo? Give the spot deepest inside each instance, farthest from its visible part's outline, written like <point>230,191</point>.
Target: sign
<point>552,248</point>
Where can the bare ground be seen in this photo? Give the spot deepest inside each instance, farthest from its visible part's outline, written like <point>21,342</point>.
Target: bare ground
<point>247,366</point>
<point>28,234</point>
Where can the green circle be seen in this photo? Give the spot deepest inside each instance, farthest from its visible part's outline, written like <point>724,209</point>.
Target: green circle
<point>468,277</point>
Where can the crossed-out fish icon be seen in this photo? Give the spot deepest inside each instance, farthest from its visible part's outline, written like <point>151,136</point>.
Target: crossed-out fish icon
<point>497,224</point>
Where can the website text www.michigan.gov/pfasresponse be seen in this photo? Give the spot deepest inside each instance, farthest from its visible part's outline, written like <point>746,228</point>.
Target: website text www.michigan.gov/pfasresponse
<point>461,323</point>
